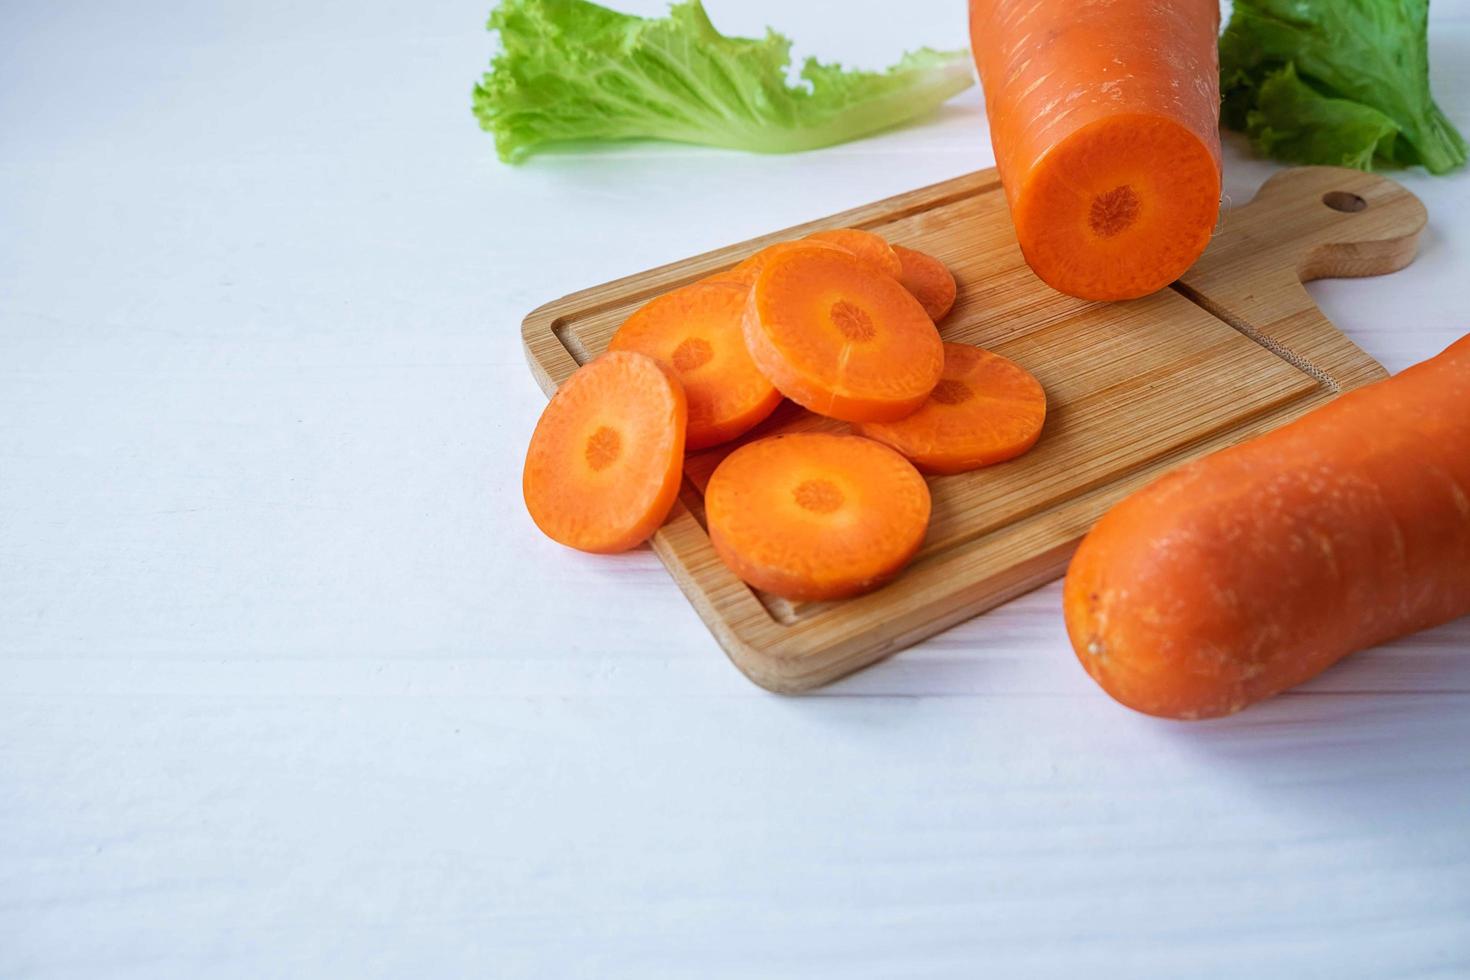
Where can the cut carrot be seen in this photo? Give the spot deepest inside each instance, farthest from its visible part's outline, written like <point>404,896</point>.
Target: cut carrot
<point>812,515</point>
<point>749,270</point>
<point>604,464</point>
<point>839,340</point>
<point>1257,567</point>
<point>871,251</point>
<point>985,409</point>
<point>929,279</point>
<point>696,331</point>
<point>1105,123</point>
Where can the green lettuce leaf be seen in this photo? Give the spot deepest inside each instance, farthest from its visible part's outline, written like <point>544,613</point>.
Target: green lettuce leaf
<point>1349,69</point>
<point>571,70</point>
<point>1295,123</point>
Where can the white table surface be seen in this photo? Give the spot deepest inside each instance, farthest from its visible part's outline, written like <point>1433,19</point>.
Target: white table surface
<point>290,686</point>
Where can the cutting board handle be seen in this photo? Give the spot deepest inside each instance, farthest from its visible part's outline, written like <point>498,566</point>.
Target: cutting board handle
<point>1306,223</point>
<point>1334,222</point>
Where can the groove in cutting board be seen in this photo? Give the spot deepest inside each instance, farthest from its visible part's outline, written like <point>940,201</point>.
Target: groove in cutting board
<point>1234,349</point>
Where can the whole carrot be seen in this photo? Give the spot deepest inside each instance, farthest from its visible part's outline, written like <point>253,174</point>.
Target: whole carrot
<point>1257,567</point>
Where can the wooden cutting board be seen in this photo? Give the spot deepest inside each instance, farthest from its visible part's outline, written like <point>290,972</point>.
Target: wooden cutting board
<point>1233,349</point>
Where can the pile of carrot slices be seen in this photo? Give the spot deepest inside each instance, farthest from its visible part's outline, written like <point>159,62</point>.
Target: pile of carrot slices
<point>843,324</point>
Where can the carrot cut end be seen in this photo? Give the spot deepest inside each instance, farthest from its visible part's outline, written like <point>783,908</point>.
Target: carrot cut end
<point>1119,209</point>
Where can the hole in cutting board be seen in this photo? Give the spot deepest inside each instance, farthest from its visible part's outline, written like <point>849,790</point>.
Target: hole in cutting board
<point>1345,201</point>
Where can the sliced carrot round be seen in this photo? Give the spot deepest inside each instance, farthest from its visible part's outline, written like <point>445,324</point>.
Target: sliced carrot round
<point>929,279</point>
<point>750,269</point>
<point>696,331</point>
<point>985,409</point>
<point>606,458</point>
<point>871,251</point>
<point>813,515</point>
<point>839,340</point>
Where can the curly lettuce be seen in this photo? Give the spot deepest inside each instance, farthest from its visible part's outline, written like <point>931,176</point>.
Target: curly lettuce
<point>572,71</point>
<point>1342,82</point>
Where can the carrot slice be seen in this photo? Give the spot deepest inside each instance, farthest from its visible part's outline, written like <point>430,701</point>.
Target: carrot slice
<point>985,409</point>
<point>871,251</point>
<point>813,515</point>
<point>749,270</point>
<point>1105,123</point>
<point>839,340</point>
<point>604,464</point>
<point>929,280</point>
<point>696,332</point>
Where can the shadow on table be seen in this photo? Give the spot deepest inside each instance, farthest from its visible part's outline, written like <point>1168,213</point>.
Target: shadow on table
<point>1378,745</point>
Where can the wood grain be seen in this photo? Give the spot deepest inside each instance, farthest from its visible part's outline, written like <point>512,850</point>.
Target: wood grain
<point>1236,348</point>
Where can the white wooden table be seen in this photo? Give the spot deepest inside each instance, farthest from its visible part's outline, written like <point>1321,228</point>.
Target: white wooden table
<point>290,686</point>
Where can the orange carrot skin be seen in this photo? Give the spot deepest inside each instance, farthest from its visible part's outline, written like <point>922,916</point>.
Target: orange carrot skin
<point>1105,123</point>
<point>1255,568</point>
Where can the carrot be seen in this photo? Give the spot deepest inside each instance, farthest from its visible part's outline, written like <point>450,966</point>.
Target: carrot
<point>871,251</point>
<point>604,464</point>
<point>928,279</point>
<point>985,409</point>
<point>696,332</point>
<point>749,270</point>
<point>813,515</point>
<point>1105,122</point>
<point>1236,576</point>
<point>839,340</point>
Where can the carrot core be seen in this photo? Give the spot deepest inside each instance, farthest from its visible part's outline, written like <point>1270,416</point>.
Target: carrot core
<point>951,391</point>
<point>852,321</point>
<point>693,354</point>
<point>603,448</point>
<point>1114,211</point>
<point>818,496</point>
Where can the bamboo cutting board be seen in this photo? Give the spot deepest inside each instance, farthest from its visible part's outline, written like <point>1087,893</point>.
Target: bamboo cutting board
<point>1233,349</point>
